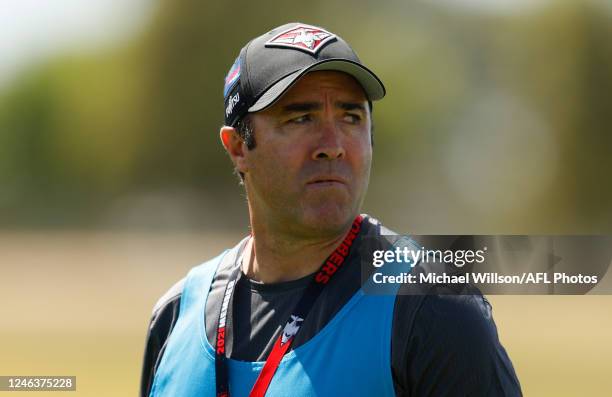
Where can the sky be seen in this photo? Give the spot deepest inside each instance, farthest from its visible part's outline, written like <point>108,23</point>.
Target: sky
<point>32,30</point>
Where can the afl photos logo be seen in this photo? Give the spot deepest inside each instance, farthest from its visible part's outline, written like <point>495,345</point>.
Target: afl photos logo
<point>302,37</point>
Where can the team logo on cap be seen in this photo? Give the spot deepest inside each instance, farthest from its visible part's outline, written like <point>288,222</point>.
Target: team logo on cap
<point>302,37</point>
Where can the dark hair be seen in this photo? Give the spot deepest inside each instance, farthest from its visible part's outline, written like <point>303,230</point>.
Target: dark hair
<point>245,130</point>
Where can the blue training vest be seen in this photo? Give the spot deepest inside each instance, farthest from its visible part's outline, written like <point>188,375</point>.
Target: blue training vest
<point>350,356</point>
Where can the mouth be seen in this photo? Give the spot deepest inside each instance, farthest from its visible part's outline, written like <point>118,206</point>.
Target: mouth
<point>326,181</point>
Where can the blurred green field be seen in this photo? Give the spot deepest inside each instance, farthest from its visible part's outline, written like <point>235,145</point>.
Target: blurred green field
<point>497,120</point>
<point>79,303</point>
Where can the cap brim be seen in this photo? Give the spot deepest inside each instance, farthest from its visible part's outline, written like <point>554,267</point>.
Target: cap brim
<point>371,84</point>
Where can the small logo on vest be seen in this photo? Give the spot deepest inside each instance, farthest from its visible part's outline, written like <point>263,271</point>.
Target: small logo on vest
<point>291,328</point>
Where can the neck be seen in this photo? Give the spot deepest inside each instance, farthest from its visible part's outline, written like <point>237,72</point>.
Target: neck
<point>277,257</point>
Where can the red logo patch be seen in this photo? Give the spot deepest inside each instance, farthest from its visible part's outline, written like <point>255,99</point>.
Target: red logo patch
<point>302,37</point>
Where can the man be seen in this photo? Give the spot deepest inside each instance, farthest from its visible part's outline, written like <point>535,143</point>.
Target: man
<point>283,313</point>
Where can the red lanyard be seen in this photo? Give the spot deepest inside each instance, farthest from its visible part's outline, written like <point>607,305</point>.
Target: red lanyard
<point>293,324</point>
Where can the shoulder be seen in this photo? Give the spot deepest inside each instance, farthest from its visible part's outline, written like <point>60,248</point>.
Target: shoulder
<point>455,319</point>
<point>444,316</point>
<point>164,316</point>
<point>449,344</point>
<point>165,313</point>
<point>174,294</point>
<point>171,295</point>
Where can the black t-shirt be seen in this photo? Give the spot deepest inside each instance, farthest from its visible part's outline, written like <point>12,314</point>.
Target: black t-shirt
<point>441,345</point>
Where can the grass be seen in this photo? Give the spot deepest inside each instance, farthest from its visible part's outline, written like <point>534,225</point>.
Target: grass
<point>79,304</point>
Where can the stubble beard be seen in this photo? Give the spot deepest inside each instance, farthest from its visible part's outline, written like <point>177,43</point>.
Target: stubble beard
<point>309,215</point>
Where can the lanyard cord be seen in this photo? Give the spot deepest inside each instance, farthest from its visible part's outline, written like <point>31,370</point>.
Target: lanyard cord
<point>293,324</point>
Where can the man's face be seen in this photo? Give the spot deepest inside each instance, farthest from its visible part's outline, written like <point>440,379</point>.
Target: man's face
<point>310,168</point>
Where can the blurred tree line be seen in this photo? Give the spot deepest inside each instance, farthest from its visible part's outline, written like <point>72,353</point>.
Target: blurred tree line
<point>130,135</point>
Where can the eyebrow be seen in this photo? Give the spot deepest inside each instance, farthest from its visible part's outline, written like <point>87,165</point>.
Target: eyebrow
<point>310,106</point>
<point>350,106</point>
<point>301,107</point>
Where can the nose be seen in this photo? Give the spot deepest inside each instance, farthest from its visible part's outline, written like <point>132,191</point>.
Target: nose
<point>330,145</point>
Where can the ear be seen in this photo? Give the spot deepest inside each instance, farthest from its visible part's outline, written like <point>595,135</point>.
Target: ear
<point>234,146</point>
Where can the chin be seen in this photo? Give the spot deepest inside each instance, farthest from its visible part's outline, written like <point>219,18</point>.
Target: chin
<point>329,218</point>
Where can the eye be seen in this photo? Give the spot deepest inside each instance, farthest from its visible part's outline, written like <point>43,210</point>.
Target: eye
<point>300,119</point>
<point>353,118</point>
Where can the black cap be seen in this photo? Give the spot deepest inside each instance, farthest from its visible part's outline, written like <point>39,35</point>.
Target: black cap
<point>271,63</point>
